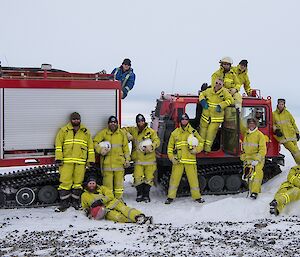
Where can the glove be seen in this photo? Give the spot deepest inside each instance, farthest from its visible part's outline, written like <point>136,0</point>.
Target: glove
<point>103,151</point>
<point>129,136</point>
<point>59,162</point>
<point>254,163</point>
<point>193,150</point>
<point>149,149</point>
<point>204,86</point>
<point>204,104</point>
<point>174,161</point>
<point>298,136</point>
<point>102,72</point>
<point>218,108</point>
<point>96,203</point>
<point>278,132</point>
<point>127,164</point>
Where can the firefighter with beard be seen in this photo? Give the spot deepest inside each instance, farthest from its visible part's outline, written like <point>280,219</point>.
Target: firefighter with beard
<point>253,155</point>
<point>230,79</point>
<point>73,150</point>
<point>99,202</point>
<point>213,100</point>
<point>285,129</point>
<point>115,157</point>
<point>144,142</point>
<point>289,191</point>
<point>184,144</point>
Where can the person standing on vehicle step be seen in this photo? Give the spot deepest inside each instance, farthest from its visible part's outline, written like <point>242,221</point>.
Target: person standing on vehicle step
<point>115,157</point>
<point>253,155</point>
<point>73,151</point>
<point>99,202</point>
<point>144,142</point>
<point>125,74</point>
<point>285,129</point>
<point>289,191</point>
<point>213,100</point>
<point>184,143</point>
<point>230,79</point>
<point>242,73</point>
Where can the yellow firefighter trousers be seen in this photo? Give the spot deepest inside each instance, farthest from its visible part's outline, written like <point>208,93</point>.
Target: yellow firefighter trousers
<point>144,174</point>
<point>256,179</point>
<point>191,173</point>
<point>237,100</point>
<point>71,176</point>
<point>294,150</point>
<point>208,132</point>
<point>114,180</point>
<point>286,195</point>
<point>122,213</point>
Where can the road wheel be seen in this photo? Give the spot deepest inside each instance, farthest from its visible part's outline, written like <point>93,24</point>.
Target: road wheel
<point>25,196</point>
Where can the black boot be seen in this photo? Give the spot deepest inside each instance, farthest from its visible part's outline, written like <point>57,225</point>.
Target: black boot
<point>169,200</point>
<point>76,193</point>
<point>139,192</point>
<point>146,192</point>
<point>64,200</point>
<point>253,196</point>
<point>273,208</point>
<point>142,219</point>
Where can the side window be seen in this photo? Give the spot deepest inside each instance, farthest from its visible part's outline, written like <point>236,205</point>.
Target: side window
<point>191,111</point>
<point>259,113</point>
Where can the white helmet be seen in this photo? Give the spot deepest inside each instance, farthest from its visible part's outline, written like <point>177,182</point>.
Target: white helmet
<point>192,140</point>
<point>227,60</point>
<point>105,144</point>
<point>144,143</point>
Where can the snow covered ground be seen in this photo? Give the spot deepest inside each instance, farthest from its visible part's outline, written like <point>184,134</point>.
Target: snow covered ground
<point>230,225</point>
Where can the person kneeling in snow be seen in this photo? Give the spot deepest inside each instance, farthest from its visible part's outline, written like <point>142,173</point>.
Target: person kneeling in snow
<point>99,202</point>
<point>289,191</point>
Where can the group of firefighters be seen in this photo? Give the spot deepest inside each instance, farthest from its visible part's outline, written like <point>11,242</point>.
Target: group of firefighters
<point>75,149</point>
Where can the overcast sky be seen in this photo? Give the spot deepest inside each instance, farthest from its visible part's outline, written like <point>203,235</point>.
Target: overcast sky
<point>158,36</point>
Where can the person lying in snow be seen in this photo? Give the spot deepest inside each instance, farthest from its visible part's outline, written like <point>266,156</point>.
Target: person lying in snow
<point>289,191</point>
<point>99,202</point>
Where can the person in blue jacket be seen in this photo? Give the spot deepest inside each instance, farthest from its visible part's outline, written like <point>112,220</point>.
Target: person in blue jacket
<point>125,74</point>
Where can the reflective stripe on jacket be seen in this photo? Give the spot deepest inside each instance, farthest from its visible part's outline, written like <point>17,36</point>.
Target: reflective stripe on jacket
<point>74,148</point>
<point>287,125</point>
<point>178,146</point>
<point>136,154</point>
<point>254,146</point>
<point>222,97</point>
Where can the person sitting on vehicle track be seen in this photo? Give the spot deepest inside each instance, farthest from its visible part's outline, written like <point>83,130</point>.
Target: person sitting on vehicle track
<point>144,142</point>
<point>125,74</point>
<point>99,202</point>
<point>289,191</point>
<point>184,143</point>
<point>73,150</point>
<point>213,101</point>
<point>112,144</point>
<point>230,79</point>
<point>285,129</point>
<point>253,155</point>
<point>242,73</point>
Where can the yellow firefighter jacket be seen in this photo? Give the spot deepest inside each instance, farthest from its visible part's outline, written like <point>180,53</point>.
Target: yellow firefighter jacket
<point>178,146</point>
<point>137,155</point>
<point>76,148</point>
<point>254,146</point>
<point>293,178</point>
<point>102,193</point>
<point>243,79</point>
<point>119,152</point>
<point>222,97</point>
<point>230,79</point>
<point>287,125</point>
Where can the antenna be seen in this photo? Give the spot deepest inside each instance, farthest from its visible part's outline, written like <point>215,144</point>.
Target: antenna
<point>174,77</point>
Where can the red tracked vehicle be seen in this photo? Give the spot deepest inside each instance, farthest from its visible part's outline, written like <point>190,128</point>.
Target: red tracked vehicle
<point>219,171</point>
